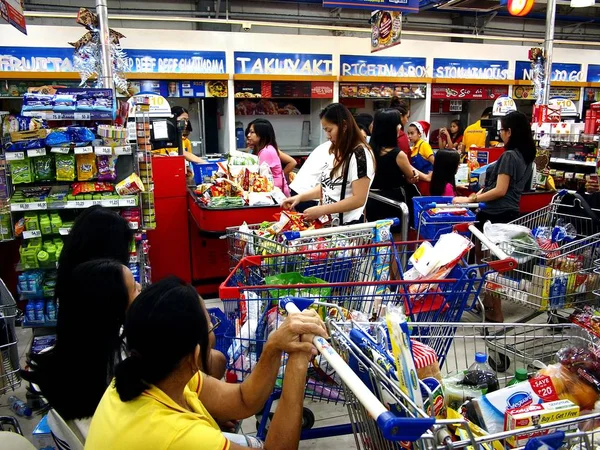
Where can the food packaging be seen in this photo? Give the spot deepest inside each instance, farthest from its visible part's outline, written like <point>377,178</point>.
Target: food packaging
<point>426,361</point>
<point>130,185</point>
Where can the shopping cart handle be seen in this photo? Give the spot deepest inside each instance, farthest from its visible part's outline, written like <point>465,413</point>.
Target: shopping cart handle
<point>562,192</point>
<point>433,205</point>
<point>396,428</point>
<point>504,262</point>
<point>291,235</point>
<point>294,304</point>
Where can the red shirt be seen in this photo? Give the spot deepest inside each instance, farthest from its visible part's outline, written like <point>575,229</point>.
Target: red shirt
<point>403,143</point>
<point>443,139</point>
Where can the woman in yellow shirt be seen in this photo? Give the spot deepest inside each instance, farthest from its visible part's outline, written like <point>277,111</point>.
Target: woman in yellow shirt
<point>161,397</point>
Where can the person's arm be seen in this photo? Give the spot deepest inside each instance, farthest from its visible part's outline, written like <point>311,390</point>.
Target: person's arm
<point>233,401</point>
<point>288,163</point>
<point>189,156</point>
<point>497,192</point>
<point>410,173</point>
<point>360,191</point>
<point>313,194</point>
<point>441,142</point>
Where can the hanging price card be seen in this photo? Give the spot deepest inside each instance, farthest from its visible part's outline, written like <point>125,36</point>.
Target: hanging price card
<point>106,151</point>
<point>83,150</point>
<point>36,152</point>
<point>15,156</point>
<point>63,150</point>
<point>125,150</point>
<point>32,234</point>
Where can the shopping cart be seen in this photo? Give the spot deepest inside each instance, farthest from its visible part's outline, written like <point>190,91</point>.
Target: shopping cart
<point>348,282</point>
<point>243,240</point>
<point>552,276</point>
<point>431,226</point>
<point>9,354</point>
<point>420,428</point>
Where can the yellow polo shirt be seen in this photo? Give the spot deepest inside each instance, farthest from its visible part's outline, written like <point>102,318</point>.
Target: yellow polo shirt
<point>154,421</point>
<point>474,135</point>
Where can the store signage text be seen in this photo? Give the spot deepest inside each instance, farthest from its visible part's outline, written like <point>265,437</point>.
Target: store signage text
<point>470,68</point>
<point>380,66</point>
<point>29,59</point>
<point>282,64</point>
<point>560,71</point>
<point>171,61</point>
<point>467,92</point>
<point>593,75</point>
<point>406,6</point>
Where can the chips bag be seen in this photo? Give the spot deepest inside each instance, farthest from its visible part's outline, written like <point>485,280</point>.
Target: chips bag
<point>86,167</point>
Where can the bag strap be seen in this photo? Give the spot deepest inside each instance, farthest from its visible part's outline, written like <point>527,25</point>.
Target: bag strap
<point>344,183</point>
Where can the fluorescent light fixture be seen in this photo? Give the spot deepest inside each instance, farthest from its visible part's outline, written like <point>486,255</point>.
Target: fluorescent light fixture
<point>582,3</point>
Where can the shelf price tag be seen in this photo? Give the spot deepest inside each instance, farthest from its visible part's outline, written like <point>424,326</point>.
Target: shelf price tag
<point>80,203</point>
<point>134,225</point>
<point>84,150</point>
<point>82,116</point>
<point>64,231</point>
<point>15,156</point>
<point>127,201</point>
<point>40,205</point>
<point>54,116</point>
<point>106,151</point>
<point>110,203</point>
<point>124,150</point>
<point>36,152</point>
<point>96,202</point>
<point>63,150</point>
<point>133,259</point>
<point>32,234</point>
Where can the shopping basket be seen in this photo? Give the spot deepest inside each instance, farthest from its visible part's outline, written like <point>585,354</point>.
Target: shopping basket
<point>553,275</point>
<point>463,340</point>
<point>431,226</point>
<point>243,241</point>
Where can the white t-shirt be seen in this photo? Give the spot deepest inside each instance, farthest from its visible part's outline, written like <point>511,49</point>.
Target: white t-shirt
<point>361,165</point>
<point>309,174</point>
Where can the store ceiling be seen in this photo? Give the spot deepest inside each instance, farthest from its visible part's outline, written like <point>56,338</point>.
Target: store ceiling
<point>576,24</point>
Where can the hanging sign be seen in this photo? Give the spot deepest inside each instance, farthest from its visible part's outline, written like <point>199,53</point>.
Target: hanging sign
<point>470,68</point>
<point>12,12</point>
<point>560,71</point>
<point>520,8</point>
<point>467,92</point>
<point>158,105</point>
<point>382,66</point>
<point>386,29</point>
<point>526,92</point>
<point>593,73</point>
<point>504,105</point>
<point>255,63</point>
<point>406,6</point>
<point>567,107</point>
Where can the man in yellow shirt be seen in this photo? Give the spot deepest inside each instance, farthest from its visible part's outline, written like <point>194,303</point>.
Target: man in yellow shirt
<point>474,135</point>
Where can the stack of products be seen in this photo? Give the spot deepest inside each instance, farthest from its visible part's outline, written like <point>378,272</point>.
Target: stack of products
<point>37,253</point>
<point>143,136</point>
<point>112,135</point>
<point>37,286</point>
<point>69,100</point>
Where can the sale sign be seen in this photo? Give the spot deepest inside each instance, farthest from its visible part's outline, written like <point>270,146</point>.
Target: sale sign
<point>467,92</point>
<point>386,29</point>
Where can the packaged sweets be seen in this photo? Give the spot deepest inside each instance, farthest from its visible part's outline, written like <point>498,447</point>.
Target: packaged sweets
<point>21,171</point>
<point>65,167</point>
<point>43,168</point>
<point>86,187</point>
<point>106,167</point>
<point>86,167</point>
<point>130,185</point>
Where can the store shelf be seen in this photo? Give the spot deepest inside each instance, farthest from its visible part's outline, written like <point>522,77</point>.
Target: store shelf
<point>49,115</point>
<point>122,202</point>
<point>572,162</point>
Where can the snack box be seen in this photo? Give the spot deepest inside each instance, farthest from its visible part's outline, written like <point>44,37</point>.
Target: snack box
<point>540,414</point>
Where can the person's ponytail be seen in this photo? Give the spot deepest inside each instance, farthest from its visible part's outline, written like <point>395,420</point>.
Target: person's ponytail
<point>129,378</point>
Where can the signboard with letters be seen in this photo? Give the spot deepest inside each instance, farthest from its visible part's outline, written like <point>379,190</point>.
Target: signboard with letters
<point>382,66</point>
<point>255,63</point>
<point>470,68</point>
<point>467,92</point>
<point>560,71</point>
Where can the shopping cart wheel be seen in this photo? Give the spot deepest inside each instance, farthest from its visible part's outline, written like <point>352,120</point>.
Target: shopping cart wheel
<point>308,420</point>
<point>500,364</point>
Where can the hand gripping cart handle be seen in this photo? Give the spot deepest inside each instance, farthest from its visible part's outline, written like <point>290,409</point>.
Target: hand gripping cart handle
<point>393,428</point>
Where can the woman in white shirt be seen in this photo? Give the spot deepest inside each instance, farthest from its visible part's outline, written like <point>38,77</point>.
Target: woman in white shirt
<point>347,172</point>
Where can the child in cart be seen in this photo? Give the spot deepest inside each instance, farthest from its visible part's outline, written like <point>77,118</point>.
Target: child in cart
<point>161,398</point>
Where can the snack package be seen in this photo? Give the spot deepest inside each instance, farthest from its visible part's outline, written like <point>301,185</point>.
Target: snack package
<point>37,102</point>
<point>426,361</point>
<point>64,103</point>
<point>65,167</point>
<point>106,167</point>
<point>477,432</point>
<point>43,168</point>
<point>86,167</point>
<point>265,171</point>
<point>85,187</point>
<point>21,171</point>
<point>130,185</point>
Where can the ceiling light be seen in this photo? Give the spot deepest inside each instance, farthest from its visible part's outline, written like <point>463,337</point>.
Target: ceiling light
<point>581,3</point>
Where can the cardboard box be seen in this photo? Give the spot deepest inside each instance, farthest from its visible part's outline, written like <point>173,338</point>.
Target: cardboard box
<point>538,414</point>
<point>41,436</point>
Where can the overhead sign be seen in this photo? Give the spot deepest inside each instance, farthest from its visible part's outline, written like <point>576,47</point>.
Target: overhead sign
<point>12,12</point>
<point>386,29</point>
<point>593,74</point>
<point>158,106</point>
<point>560,71</point>
<point>567,107</point>
<point>382,66</point>
<point>467,92</point>
<point>470,68</point>
<point>406,6</point>
<point>527,92</point>
<point>35,59</point>
<point>255,63</point>
<point>504,105</point>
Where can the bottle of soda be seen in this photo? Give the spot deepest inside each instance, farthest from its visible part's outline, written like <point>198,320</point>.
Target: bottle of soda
<point>481,375</point>
<point>520,375</point>
<point>19,407</point>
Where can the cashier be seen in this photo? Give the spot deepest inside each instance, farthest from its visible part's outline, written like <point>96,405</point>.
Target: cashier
<point>474,135</point>
<point>181,113</point>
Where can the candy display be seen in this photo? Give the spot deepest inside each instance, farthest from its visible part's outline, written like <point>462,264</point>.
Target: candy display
<point>86,167</point>
<point>106,168</point>
<point>65,167</point>
<point>88,186</point>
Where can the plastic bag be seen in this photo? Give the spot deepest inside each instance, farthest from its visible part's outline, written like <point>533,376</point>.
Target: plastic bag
<point>65,167</point>
<point>43,167</point>
<point>515,240</point>
<point>291,278</point>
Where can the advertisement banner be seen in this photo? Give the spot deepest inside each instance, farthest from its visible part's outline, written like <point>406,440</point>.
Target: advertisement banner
<point>382,66</point>
<point>386,30</point>
<point>283,89</point>
<point>526,92</point>
<point>470,68</point>
<point>560,71</point>
<point>255,63</point>
<point>321,89</point>
<point>406,6</point>
<point>379,90</point>
<point>467,92</point>
<point>175,89</point>
<point>593,74</point>
<point>12,12</point>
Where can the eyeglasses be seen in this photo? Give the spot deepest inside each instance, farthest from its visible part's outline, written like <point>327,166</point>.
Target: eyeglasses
<point>215,321</point>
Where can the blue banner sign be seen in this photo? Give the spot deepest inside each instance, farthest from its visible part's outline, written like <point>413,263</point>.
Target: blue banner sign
<point>406,6</point>
<point>381,66</point>
<point>470,68</point>
<point>253,63</point>
<point>593,74</point>
<point>50,59</point>
<point>560,71</point>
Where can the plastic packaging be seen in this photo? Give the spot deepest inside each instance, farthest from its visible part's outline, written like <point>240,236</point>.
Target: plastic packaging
<point>65,167</point>
<point>39,310</point>
<point>43,167</point>
<point>480,375</point>
<point>86,166</point>
<point>520,375</point>
<point>19,407</point>
<point>51,310</point>
<point>30,311</point>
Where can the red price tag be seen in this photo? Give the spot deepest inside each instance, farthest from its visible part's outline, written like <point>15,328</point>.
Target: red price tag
<point>543,387</point>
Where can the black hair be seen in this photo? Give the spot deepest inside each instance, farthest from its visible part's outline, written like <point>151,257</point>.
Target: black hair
<point>397,102</point>
<point>460,131</point>
<point>265,132</point>
<point>385,130</point>
<point>521,137</point>
<point>163,325</point>
<point>97,233</point>
<point>364,119</point>
<point>179,110</point>
<point>349,136</point>
<point>364,128</point>
<point>445,165</point>
<point>75,373</point>
<point>487,112</point>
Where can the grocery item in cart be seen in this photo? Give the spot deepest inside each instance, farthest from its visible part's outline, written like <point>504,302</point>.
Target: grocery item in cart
<point>515,240</point>
<point>480,375</point>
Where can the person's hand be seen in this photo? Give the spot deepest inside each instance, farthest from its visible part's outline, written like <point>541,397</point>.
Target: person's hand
<point>414,179</point>
<point>458,200</point>
<point>314,212</point>
<point>297,331</point>
<point>290,202</point>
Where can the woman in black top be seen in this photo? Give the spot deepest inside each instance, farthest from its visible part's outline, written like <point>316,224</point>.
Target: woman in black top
<point>393,170</point>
